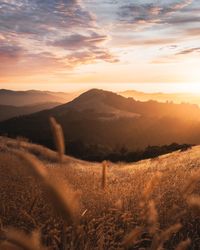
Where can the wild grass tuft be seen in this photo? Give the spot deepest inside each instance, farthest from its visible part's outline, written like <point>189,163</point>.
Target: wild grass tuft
<point>16,239</point>
<point>64,204</point>
<point>104,170</point>
<point>58,138</point>
<point>184,245</point>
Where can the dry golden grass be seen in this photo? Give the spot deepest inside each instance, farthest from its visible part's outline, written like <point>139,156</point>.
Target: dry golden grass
<point>103,180</point>
<point>16,239</point>
<point>146,205</point>
<point>58,138</point>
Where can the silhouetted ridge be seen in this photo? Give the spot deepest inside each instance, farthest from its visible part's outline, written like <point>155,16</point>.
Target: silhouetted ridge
<point>29,97</point>
<point>95,94</point>
<point>102,121</point>
<point>97,99</point>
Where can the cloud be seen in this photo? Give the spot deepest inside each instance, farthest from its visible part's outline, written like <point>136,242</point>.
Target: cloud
<point>79,41</point>
<point>181,20</point>
<point>89,48</point>
<point>189,51</point>
<point>154,23</point>
<point>86,57</point>
<point>16,61</point>
<point>177,56</point>
<point>181,4</point>
<point>150,41</point>
<point>193,32</point>
<point>45,32</point>
<point>11,51</point>
<point>35,16</point>
<point>134,13</point>
<point>56,36</point>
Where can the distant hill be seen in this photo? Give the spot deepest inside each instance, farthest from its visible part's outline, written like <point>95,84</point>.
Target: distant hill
<point>7,112</point>
<point>30,97</point>
<point>103,121</point>
<point>163,97</point>
<point>102,103</point>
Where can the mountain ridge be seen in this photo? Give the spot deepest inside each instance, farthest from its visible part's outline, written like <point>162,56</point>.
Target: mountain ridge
<point>107,121</point>
<point>123,103</point>
<point>29,97</point>
<point>178,98</point>
<point>9,111</point>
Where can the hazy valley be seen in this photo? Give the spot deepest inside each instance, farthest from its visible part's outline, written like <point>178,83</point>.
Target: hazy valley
<point>33,97</point>
<point>192,98</point>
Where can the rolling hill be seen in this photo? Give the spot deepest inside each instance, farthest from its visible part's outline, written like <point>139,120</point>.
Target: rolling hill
<point>163,97</point>
<point>177,98</point>
<point>102,121</point>
<point>151,199</point>
<point>7,112</point>
<point>33,97</point>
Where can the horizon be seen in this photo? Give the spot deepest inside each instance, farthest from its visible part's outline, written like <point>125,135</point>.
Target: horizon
<point>162,88</point>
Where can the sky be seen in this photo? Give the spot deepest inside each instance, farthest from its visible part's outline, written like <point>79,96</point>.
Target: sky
<point>112,44</point>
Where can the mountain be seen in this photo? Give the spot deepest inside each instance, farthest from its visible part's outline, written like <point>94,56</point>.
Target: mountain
<point>106,103</point>
<point>163,97</point>
<point>7,112</point>
<point>30,97</point>
<point>101,121</point>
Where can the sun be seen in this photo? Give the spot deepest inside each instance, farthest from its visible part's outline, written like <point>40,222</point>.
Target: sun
<point>193,87</point>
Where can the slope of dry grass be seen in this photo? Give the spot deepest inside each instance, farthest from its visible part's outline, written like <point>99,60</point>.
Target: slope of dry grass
<point>141,206</point>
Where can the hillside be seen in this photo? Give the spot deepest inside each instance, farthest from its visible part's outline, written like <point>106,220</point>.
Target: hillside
<point>102,121</point>
<point>33,97</point>
<point>7,112</point>
<point>163,97</point>
<point>101,101</point>
<point>146,199</point>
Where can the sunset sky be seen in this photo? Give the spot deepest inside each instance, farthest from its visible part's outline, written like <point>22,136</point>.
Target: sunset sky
<point>71,44</point>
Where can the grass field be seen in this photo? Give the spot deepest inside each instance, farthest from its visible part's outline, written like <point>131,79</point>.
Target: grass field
<point>152,204</point>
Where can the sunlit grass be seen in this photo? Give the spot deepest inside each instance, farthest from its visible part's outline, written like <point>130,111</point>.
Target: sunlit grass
<point>151,204</point>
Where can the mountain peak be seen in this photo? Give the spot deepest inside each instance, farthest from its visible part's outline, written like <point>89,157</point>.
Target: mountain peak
<point>97,94</point>
<point>98,100</point>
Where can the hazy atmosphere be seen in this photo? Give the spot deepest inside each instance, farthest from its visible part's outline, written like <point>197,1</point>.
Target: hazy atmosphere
<point>99,125</point>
